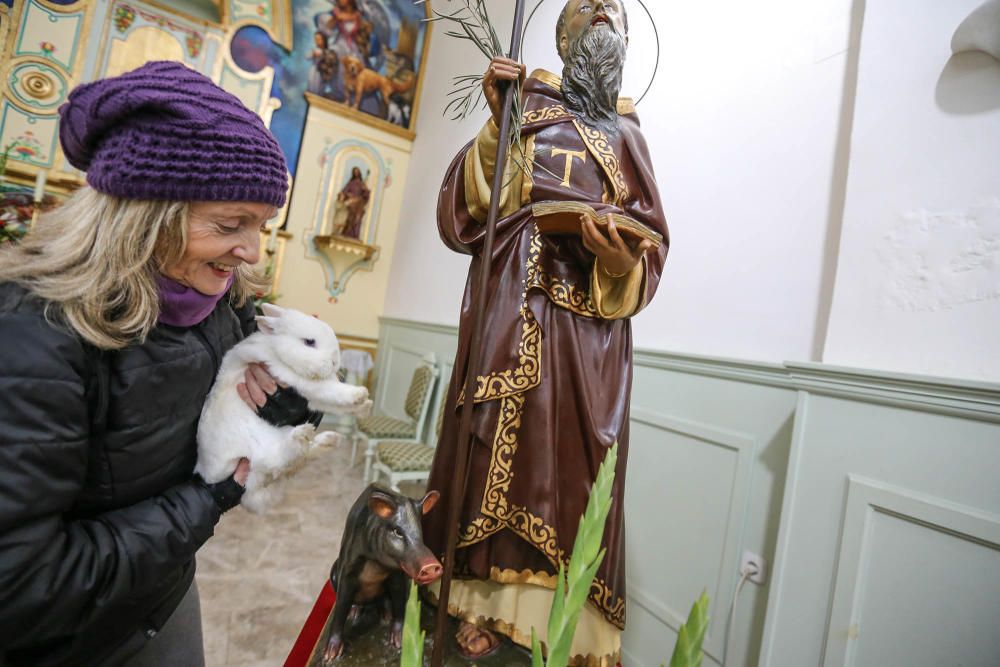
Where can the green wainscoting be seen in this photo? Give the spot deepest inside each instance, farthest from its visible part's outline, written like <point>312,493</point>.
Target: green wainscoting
<point>874,497</point>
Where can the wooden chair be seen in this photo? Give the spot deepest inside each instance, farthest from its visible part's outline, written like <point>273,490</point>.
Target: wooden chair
<point>377,428</point>
<point>407,461</point>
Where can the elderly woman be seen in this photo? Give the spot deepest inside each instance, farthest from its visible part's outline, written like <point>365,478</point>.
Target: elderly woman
<point>115,312</point>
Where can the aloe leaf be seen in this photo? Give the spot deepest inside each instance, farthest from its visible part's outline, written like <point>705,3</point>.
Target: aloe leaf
<point>412,654</point>
<point>687,651</point>
<point>574,583</point>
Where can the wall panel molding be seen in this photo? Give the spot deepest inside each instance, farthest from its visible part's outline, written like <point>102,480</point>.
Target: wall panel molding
<point>445,329</point>
<point>780,444</point>
<point>960,398</point>
<point>866,499</point>
<point>774,375</point>
<point>674,613</point>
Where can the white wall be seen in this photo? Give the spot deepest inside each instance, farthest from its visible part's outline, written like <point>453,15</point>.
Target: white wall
<point>918,283</point>
<point>743,127</point>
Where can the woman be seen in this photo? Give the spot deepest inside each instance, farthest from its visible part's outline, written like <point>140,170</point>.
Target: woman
<point>115,311</point>
<point>352,29</point>
<point>324,66</point>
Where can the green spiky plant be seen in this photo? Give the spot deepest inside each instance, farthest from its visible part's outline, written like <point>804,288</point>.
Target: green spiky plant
<point>687,650</point>
<point>571,592</point>
<point>413,636</point>
<point>4,156</point>
<point>574,585</point>
<point>574,582</point>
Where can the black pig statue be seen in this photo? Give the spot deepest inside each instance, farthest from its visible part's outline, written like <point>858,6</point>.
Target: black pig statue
<point>382,545</point>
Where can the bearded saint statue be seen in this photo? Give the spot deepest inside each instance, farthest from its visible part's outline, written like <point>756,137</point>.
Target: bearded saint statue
<point>553,392</point>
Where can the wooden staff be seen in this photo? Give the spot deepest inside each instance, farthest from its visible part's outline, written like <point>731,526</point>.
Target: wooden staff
<point>475,352</point>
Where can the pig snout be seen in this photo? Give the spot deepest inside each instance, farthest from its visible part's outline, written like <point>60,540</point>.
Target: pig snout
<point>429,573</point>
<point>425,571</point>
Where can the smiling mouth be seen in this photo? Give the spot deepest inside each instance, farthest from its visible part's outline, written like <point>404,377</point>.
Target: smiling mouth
<point>224,269</point>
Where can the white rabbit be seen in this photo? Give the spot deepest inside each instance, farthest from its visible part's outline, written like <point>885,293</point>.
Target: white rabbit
<point>300,351</point>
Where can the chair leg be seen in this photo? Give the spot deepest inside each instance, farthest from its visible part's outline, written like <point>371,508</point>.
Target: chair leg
<point>354,449</point>
<point>369,457</point>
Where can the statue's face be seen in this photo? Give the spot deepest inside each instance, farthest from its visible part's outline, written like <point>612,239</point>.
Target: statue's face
<point>583,15</point>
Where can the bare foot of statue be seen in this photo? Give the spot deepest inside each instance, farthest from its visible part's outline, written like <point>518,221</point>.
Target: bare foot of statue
<point>475,642</point>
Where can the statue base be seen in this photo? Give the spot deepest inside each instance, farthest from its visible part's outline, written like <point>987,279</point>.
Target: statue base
<point>369,645</point>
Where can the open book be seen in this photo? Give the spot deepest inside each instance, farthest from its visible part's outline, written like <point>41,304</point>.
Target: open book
<point>563,217</point>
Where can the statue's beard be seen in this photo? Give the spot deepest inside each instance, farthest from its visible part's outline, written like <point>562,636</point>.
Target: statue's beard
<point>592,77</point>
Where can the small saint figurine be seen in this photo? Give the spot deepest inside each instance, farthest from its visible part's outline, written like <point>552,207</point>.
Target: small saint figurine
<point>553,392</point>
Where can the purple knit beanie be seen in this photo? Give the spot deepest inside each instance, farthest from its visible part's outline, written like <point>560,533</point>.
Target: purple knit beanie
<point>164,131</point>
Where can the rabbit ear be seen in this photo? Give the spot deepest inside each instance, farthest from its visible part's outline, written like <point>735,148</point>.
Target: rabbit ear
<point>268,325</point>
<point>272,310</point>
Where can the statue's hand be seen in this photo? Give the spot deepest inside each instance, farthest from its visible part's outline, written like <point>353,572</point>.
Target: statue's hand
<point>615,255</point>
<point>500,69</point>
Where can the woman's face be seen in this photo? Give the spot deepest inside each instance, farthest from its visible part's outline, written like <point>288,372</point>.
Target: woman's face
<point>221,237</point>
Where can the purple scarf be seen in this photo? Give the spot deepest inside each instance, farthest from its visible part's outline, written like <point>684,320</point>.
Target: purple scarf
<point>182,306</point>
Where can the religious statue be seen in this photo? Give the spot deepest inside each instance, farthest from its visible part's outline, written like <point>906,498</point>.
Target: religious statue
<point>352,203</point>
<point>553,392</point>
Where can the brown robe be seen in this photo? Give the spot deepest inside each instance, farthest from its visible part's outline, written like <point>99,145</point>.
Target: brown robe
<point>553,391</point>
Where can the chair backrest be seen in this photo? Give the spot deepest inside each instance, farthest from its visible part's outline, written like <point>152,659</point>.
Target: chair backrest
<point>418,398</point>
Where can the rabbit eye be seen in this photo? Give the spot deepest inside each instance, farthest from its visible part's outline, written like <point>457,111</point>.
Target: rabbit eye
<point>310,342</point>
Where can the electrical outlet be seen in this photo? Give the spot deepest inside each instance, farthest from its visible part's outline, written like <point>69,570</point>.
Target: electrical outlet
<point>752,560</point>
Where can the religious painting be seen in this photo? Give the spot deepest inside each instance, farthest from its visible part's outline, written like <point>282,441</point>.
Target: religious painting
<point>366,55</point>
<point>364,58</point>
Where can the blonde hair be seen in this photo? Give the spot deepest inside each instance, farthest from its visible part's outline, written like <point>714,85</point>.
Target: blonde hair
<point>95,260</point>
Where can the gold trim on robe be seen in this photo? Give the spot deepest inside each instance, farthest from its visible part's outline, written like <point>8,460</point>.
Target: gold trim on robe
<point>497,512</point>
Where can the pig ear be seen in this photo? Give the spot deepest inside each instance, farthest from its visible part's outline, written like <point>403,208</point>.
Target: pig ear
<point>272,310</point>
<point>268,325</point>
<point>382,505</point>
<point>429,501</point>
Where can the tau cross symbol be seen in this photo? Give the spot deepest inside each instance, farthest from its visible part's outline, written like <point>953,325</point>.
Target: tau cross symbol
<point>570,155</point>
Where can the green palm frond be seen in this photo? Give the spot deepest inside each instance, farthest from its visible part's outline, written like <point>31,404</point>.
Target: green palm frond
<point>413,637</point>
<point>574,582</point>
<point>687,651</point>
<point>473,24</point>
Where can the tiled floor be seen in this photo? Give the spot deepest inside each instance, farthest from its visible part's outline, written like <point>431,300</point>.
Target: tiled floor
<point>259,576</point>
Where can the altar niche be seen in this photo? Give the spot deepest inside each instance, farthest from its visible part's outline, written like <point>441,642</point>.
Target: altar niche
<point>346,218</point>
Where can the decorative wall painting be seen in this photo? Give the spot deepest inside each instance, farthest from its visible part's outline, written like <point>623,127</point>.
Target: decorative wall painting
<point>364,58</point>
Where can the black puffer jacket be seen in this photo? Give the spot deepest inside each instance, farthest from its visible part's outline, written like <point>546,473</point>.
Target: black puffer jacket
<point>99,516</point>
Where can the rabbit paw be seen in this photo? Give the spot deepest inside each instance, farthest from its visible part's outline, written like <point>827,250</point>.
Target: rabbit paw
<point>363,410</point>
<point>328,439</point>
<point>304,434</point>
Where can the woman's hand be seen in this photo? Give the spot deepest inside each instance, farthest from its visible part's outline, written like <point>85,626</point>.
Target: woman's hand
<point>500,69</point>
<point>227,492</point>
<point>258,385</point>
<point>615,255</point>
